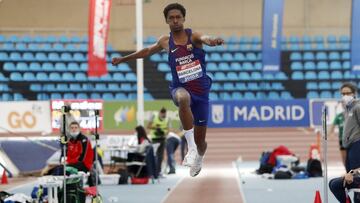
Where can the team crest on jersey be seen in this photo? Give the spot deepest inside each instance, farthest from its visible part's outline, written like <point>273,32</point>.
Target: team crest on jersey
<point>189,47</point>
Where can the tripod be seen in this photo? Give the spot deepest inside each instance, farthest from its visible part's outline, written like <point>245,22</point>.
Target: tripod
<point>63,141</point>
<point>98,198</point>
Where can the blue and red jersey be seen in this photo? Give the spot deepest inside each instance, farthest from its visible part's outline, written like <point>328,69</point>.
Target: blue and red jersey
<point>188,68</point>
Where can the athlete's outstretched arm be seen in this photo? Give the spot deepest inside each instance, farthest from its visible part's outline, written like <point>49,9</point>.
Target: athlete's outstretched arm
<point>208,40</point>
<point>157,47</point>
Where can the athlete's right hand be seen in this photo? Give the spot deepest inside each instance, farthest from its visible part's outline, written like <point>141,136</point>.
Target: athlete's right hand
<point>116,60</point>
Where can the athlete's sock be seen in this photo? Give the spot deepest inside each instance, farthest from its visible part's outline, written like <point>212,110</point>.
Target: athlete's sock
<point>189,135</point>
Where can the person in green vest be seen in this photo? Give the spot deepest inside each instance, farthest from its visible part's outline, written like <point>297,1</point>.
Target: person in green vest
<point>339,123</point>
<point>159,128</point>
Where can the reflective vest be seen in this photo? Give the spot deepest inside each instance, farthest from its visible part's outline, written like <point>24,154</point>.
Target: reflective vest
<point>157,123</point>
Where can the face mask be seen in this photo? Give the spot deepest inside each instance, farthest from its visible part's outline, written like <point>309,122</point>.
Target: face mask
<point>74,134</point>
<point>347,99</point>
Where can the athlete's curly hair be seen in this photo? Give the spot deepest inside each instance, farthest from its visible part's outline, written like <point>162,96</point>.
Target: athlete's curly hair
<point>176,6</point>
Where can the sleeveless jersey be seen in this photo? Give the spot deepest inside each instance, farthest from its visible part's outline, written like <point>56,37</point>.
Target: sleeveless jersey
<point>188,68</point>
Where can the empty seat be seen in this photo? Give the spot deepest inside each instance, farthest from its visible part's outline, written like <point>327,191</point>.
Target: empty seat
<point>69,96</point>
<point>310,75</point>
<point>297,75</point>
<point>336,75</point>
<point>323,75</point>
<point>334,55</point>
<point>81,96</point>
<point>53,56</point>
<point>326,94</point>
<point>296,65</point>
<point>309,65</point>
<point>321,55</point>
<point>34,66</point>
<point>55,77</point>
<point>322,65</point>
<point>29,76</point>
<point>312,95</point>
<point>311,86</point>
<point>108,96</point>
<point>295,56</point>
<point>16,76</point>
<point>324,86</point>
<point>335,65</point>
<point>308,56</point>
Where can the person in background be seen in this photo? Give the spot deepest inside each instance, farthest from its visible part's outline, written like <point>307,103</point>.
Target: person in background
<point>172,142</point>
<point>159,128</point>
<point>339,123</point>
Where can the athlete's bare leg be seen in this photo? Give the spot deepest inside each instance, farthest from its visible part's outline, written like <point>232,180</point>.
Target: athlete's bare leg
<point>182,98</point>
<point>200,134</point>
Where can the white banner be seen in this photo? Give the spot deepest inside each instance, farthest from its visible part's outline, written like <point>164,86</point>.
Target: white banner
<point>25,117</point>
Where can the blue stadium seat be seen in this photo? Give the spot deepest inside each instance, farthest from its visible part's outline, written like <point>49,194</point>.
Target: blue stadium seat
<point>322,65</point>
<point>336,75</point>
<point>101,87</point>
<point>236,95</point>
<point>346,65</point>
<point>309,65</point>
<point>36,87</point>
<point>34,66</point>
<point>7,97</point>
<point>8,47</point>
<point>244,76</point>
<point>273,95</point>
<point>81,95</point>
<point>229,86</point>
<point>318,39</point>
<point>106,78</point>
<point>210,66</point>
<point>58,47</point>
<point>244,40</point>
<point>68,77</point>
<point>74,87</point>
<point>321,55</point>
<point>280,76</point>
<point>15,56</point>
<point>306,39</point>
<point>69,96</point>
<point>9,66</point>
<point>336,85</point>
<point>60,67</point>
<point>79,57</point>
<point>215,57</point>
<point>326,94</point>
<point>130,77</point>
<point>113,87</point>
<point>28,56</point>
<point>81,77</point>
<point>73,66</point>
<point>250,56</point>
<point>55,77</point>
<point>249,95</point>
<point>256,76</point>
<point>29,76</point>
<point>236,66</point>
<point>253,86</point>
<point>53,56</point>
<point>295,56</point>
<point>239,56</point>
<point>40,56</point>
<point>268,76</point>
<point>108,96</point>
<point>297,75</point>
<point>42,96</point>
<point>213,96</point>
<point>310,75</point>
<point>331,39</point>
<point>156,58</point>
<point>323,75</point>
<point>248,66</point>
<point>345,55</point>
<point>225,96</point>
<point>335,65</point>
<point>126,87</point>
<point>64,39</point>
<point>21,66</point>
<point>216,86</point>
<point>16,76</point>
<point>118,77</point>
<point>75,39</point>
<point>296,65</point>
<point>66,57</point>
<point>62,87</point>
<point>120,96</point>
<point>227,57</point>
<point>41,76</point>
<point>308,56</point>
<point>3,56</point>
<point>124,67</point>
<point>293,39</point>
<point>285,95</point>
<point>334,55</point>
<point>312,95</point>
<point>163,67</point>
<point>224,66</point>
<point>311,86</point>
<point>344,39</point>
<point>258,66</point>
<point>39,39</point>
<point>219,76</point>
<point>324,86</point>
<point>240,86</point>
<point>95,96</point>
<point>48,66</point>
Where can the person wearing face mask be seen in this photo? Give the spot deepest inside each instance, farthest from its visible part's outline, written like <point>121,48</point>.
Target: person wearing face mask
<point>351,142</point>
<point>79,151</point>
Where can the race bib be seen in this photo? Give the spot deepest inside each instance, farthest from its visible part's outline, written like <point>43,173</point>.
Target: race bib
<point>189,71</point>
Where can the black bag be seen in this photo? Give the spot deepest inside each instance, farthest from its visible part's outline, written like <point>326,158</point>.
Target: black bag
<point>282,175</point>
<point>265,167</point>
<point>124,176</point>
<point>314,168</point>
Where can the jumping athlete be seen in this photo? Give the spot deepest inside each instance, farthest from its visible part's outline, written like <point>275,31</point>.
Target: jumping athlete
<point>190,85</point>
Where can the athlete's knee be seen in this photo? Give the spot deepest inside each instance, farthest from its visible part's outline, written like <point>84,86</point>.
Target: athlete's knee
<point>182,97</point>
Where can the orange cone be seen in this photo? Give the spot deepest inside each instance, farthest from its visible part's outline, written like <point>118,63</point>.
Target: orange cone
<point>317,197</point>
<point>4,179</point>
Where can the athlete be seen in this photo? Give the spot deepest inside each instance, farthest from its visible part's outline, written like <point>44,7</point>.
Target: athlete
<point>190,85</point>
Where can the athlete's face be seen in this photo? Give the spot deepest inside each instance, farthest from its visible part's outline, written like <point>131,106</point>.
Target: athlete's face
<point>176,20</point>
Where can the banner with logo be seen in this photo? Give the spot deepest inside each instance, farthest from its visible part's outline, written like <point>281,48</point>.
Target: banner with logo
<point>333,106</point>
<point>99,18</point>
<point>121,115</point>
<point>25,117</point>
<point>271,34</point>
<point>254,113</point>
<point>82,110</point>
<point>355,36</point>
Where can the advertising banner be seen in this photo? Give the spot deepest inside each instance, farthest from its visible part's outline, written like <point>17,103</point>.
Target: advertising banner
<point>25,117</point>
<point>255,113</point>
<point>82,110</point>
<point>99,18</point>
<point>271,34</point>
<point>121,115</point>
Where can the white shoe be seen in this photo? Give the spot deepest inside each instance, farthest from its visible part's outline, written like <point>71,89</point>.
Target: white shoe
<point>190,157</point>
<point>196,167</point>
